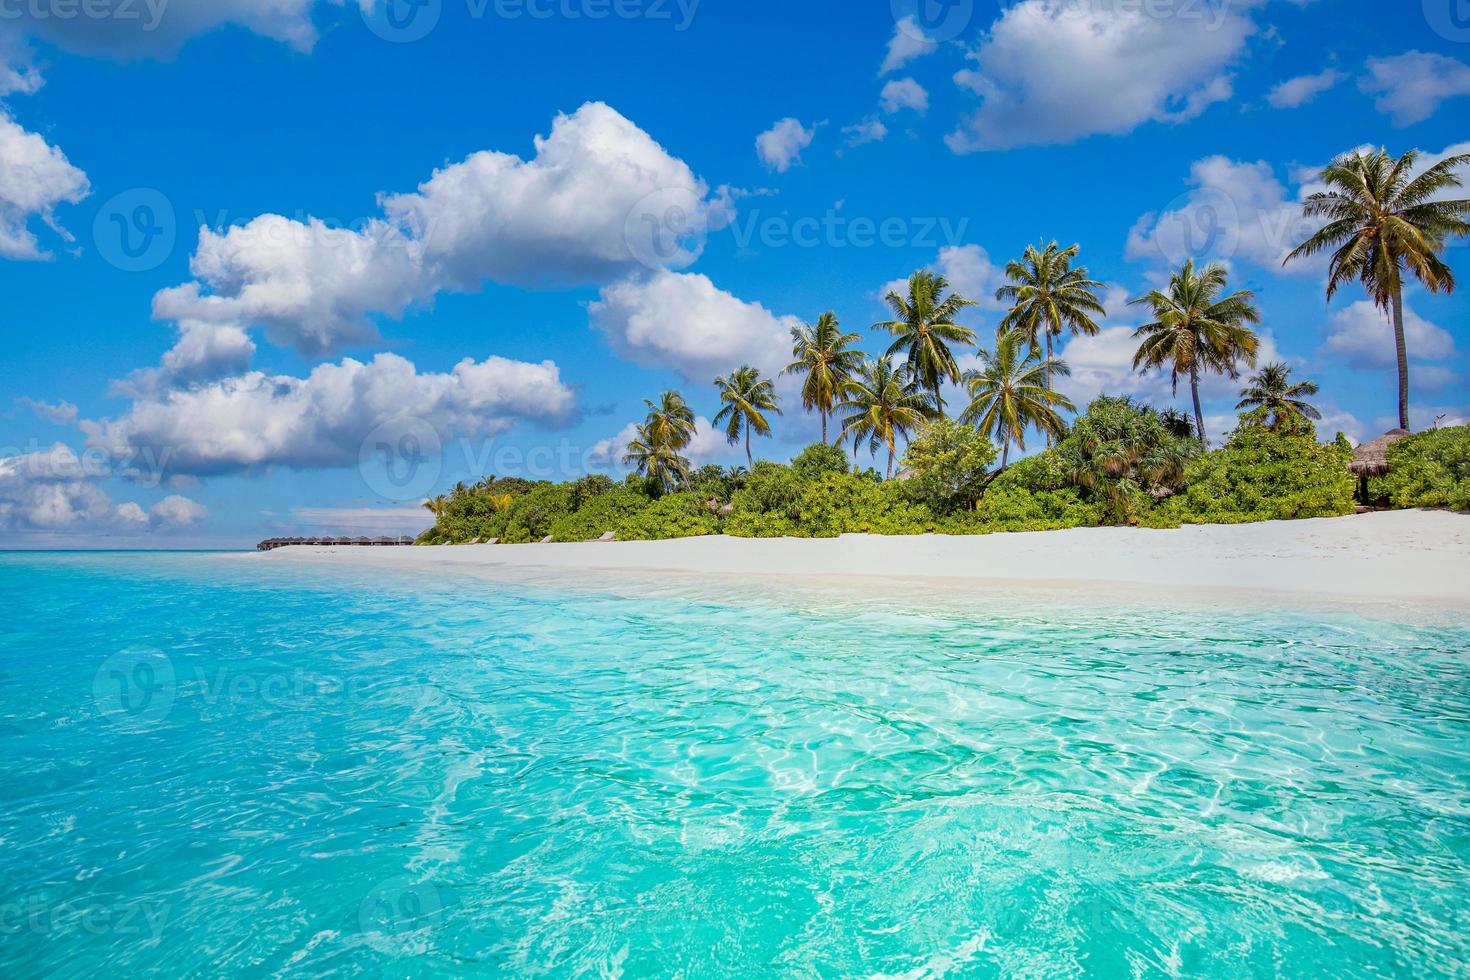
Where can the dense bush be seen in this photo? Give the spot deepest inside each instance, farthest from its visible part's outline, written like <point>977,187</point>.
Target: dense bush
<point>600,514</point>
<point>815,462</point>
<point>842,503</point>
<point>1431,469</point>
<point>1265,474</point>
<point>674,515</point>
<point>948,465</point>
<point>1035,495</point>
<point>769,505</point>
<point>1124,456</point>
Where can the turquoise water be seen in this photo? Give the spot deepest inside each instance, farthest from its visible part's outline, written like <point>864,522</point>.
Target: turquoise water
<point>219,766</point>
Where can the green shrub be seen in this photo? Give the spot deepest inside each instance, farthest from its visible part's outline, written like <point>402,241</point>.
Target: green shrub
<point>769,506</point>
<point>1431,469</point>
<point>674,515</point>
<point>948,465</point>
<point>815,462</point>
<point>1265,474</point>
<point>1123,456</point>
<point>600,514</point>
<point>531,517</point>
<point>842,503</point>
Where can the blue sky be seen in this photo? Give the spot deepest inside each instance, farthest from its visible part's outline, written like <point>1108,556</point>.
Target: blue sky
<point>489,230</point>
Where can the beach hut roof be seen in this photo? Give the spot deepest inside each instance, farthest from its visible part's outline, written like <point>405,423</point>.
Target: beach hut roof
<point>1371,459</point>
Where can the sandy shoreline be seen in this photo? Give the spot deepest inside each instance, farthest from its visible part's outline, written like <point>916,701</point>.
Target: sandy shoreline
<point>1402,556</point>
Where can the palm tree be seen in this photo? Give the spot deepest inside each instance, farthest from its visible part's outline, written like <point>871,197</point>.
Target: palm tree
<point>823,353</point>
<point>1195,330</point>
<point>1272,391</point>
<point>1178,424</point>
<point>1380,222</point>
<point>746,397</point>
<point>923,328</point>
<point>437,506</point>
<point>670,421</point>
<point>1010,393</point>
<point>1049,297</point>
<point>656,459</point>
<point>885,401</point>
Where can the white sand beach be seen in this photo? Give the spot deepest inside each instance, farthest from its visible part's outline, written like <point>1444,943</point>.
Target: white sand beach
<point>1400,556</point>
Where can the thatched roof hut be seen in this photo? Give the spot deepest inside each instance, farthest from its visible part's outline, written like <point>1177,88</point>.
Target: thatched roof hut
<point>1371,459</point>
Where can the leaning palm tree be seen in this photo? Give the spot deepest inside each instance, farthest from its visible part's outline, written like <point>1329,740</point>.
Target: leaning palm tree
<point>746,397</point>
<point>884,401</point>
<point>1273,392</point>
<point>1009,394</point>
<point>656,459</point>
<point>825,356</point>
<point>1049,297</point>
<point>437,506</point>
<point>1381,223</point>
<point>1196,330</point>
<point>923,329</point>
<point>670,420</point>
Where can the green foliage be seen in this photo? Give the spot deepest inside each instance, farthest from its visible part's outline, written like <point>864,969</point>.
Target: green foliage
<point>1035,495</point>
<point>1123,456</point>
<point>674,515</point>
<point>769,506</point>
<point>1431,469</point>
<point>817,461</point>
<point>949,465</point>
<point>600,514</point>
<point>530,517</point>
<point>841,503</point>
<point>1266,474</point>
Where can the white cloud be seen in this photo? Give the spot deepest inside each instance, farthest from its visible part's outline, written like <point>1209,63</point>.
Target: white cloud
<point>1410,87</point>
<point>157,28</point>
<point>908,43</point>
<point>1054,72</point>
<point>1296,92</point>
<point>970,271</point>
<point>577,212</point>
<point>57,490</point>
<point>684,322</point>
<point>780,146</point>
<point>709,445</point>
<point>62,413</point>
<point>35,177</point>
<point>18,75</point>
<point>1362,335</point>
<point>256,420</point>
<point>904,93</point>
<point>867,131</point>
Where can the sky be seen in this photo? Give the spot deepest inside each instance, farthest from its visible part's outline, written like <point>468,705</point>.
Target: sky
<point>287,267</point>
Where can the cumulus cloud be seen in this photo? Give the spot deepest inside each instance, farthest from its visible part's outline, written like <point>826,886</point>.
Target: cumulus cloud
<point>35,177</point>
<point>157,28</point>
<point>62,413</point>
<point>908,43</point>
<point>1362,335</point>
<point>904,93</point>
<point>255,421</point>
<point>682,321</point>
<point>1409,88</point>
<point>867,131</point>
<point>57,490</point>
<point>1051,73</point>
<point>780,146</point>
<point>1295,92</point>
<point>600,197</point>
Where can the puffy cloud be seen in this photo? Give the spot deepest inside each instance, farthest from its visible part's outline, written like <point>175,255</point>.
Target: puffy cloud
<point>255,421</point>
<point>599,198</point>
<point>908,43</point>
<point>780,146</point>
<point>34,178</point>
<point>867,131</point>
<point>18,75</point>
<point>1299,91</point>
<point>157,28</point>
<point>904,93</point>
<point>1409,87</point>
<point>57,490</point>
<point>970,271</point>
<point>1054,72</point>
<point>1362,335</point>
<point>62,413</point>
<point>684,322</point>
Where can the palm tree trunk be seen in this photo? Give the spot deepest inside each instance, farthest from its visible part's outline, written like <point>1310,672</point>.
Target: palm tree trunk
<point>1199,416</point>
<point>939,398</point>
<point>1403,355</point>
<point>1048,377</point>
<point>749,459</point>
<point>1005,453</point>
<point>890,461</point>
<point>824,425</point>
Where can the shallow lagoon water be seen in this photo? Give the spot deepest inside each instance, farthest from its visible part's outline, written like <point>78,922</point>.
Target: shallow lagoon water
<point>216,765</point>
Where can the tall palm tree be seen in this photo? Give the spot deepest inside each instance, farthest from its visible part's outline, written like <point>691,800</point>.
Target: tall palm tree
<point>1010,393</point>
<point>656,459</point>
<point>1196,330</point>
<point>885,401</point>
<point>824,354</point>
<point>1273,391</point>
<point>670,420</point>
<point>1048,296</point>
<point>746,397</point>
<point>923,328</point>
<point>437,506</point>
<point>1380,223</point>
